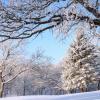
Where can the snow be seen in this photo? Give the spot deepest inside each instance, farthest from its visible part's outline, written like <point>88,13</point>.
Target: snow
<point>78,96</point>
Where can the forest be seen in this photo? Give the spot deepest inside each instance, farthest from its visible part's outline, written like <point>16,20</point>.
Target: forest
<point>77,71</point>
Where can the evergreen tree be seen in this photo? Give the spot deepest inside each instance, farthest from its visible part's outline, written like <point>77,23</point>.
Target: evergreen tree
<point>79,69</point>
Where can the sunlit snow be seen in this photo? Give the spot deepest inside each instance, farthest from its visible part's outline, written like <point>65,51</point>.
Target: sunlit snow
<point>78,96</point>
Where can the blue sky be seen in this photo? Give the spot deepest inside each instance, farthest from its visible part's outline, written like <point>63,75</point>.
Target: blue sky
<point>52,46</point>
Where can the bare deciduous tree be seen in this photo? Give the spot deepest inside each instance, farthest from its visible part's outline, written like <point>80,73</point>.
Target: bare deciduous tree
<point>10,62</point>
<point>44,77</point>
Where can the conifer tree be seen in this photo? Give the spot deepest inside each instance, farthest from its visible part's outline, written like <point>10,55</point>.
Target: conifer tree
<point>79,68</point>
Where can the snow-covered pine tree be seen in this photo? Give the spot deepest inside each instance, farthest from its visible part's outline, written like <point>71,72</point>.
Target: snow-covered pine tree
<point>79,69</point>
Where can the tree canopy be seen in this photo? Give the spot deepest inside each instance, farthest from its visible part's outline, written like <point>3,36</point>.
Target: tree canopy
<point>20,19</point>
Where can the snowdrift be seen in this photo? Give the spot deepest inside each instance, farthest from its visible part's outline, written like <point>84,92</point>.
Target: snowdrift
<point>78,96</point>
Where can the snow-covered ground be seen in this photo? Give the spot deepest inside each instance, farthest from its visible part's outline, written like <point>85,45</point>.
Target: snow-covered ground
<point>78,96</point>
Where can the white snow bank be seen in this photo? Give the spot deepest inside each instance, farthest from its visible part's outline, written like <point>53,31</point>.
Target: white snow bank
<point>78,96</point>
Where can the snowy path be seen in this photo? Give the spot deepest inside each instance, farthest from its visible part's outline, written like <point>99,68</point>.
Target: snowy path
<point>79,96</point>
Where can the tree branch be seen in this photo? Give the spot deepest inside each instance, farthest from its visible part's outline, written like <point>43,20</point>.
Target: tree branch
<point>85,18</point>
<point>92,10</point>
<point>15,76</point>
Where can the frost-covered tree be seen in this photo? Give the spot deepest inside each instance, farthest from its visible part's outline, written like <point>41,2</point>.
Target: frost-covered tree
<point>11,60</point>
<point>21,19</point>
<point>79,68</point>
<point>45,77</point>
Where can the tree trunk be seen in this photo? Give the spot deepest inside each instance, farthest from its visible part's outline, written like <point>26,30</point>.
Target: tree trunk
<point>83,89</point>
<point>98,87</point>
<point>1,85</point>
<point>24,88</point>
<point>1,89</point>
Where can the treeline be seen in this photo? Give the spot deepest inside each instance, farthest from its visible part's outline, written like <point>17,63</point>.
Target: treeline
<point>79,71</point>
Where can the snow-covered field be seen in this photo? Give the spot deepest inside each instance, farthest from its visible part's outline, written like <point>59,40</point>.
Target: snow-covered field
<point>78,96</point>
